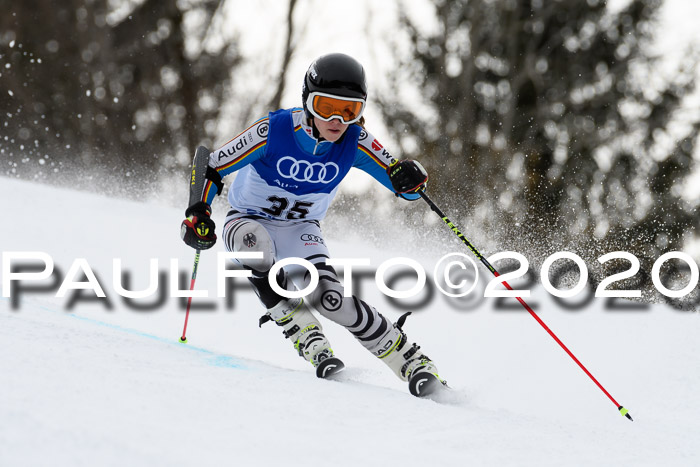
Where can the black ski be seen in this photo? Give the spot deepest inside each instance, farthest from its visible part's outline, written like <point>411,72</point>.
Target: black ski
<point>329,367</point>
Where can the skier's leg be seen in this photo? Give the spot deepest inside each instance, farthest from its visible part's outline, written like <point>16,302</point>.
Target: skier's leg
<point>385,340</point>
<point>298,323</point>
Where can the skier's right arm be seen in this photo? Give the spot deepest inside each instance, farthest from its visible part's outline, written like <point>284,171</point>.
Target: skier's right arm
<point>242,150</point>
<point>198,229</point>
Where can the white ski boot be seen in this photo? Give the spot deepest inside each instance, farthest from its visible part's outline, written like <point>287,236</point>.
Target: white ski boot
<point>408,362</point>
<point>304,330</point>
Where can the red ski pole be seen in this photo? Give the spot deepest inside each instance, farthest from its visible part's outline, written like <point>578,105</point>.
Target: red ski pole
<point>200,164</point>
<point>483,260</point>
<point>183,339</point>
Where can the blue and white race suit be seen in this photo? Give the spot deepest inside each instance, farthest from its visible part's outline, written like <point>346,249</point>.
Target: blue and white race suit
<point>286,181</point>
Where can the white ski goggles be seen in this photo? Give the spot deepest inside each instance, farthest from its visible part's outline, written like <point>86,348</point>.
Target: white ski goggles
<point>327,107</point>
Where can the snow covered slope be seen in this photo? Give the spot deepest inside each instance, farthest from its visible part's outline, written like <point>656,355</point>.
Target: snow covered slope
<point>99,382</point>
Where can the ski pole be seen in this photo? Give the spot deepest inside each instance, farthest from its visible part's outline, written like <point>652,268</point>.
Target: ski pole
<point>183,339</point>
<point>200,164</point>
<point>485,262</point>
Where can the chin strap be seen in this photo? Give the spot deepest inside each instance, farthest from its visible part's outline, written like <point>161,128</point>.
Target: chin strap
<point>317,135</point>
<point>314,131</point>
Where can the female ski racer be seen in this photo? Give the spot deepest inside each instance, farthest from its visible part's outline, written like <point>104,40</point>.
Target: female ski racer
<point>289,165</point>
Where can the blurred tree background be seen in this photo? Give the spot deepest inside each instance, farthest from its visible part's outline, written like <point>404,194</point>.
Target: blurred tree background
<point>551,123</point>
<point>547,124</point>
<point>102,87</point>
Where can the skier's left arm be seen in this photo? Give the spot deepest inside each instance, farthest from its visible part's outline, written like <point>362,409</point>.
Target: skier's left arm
<point>372,158</point>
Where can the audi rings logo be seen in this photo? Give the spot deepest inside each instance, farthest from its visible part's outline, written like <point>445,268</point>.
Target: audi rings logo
<point>305,171</point>
<point>312,238</point>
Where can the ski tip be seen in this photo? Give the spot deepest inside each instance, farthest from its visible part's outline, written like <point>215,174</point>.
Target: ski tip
<point>624,412</point>
<point>329,367</point>
<point>425,384</point>
<point>183,340</point>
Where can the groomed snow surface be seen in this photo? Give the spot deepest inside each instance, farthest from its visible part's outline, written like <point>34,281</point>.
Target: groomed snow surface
<point>99,382</point>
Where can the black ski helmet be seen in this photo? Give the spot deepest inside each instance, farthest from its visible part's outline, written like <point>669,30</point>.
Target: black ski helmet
<point>337,74</point>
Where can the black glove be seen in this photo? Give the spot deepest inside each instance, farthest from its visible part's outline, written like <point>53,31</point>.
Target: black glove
<point>407,176</point>
<point>198,229</point>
